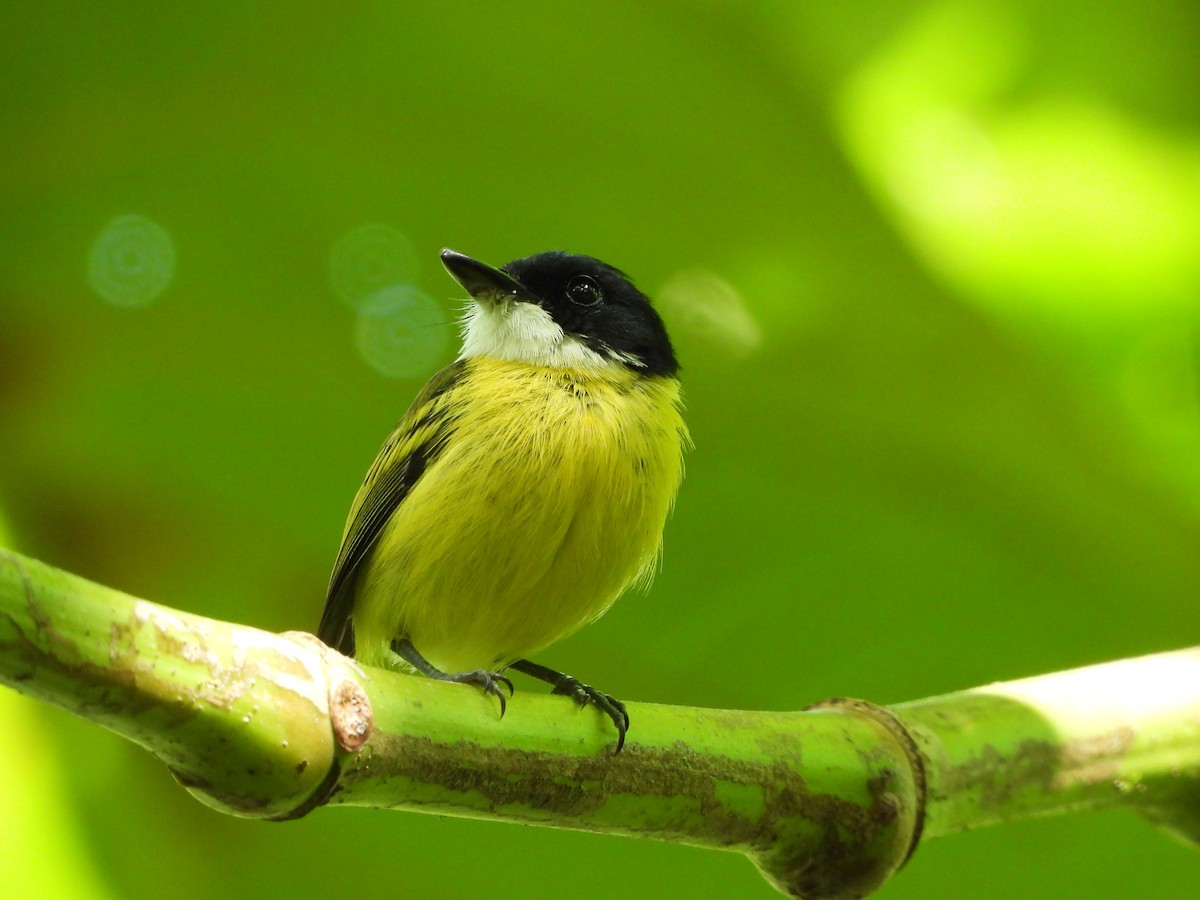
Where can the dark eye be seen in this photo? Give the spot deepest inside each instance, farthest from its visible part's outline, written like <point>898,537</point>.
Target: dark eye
<point>583,290</point>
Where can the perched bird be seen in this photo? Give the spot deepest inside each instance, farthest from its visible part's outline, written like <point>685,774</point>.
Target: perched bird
<point>525,489</point>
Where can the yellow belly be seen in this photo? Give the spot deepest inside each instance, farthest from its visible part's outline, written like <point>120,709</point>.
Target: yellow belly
<point>547,502</point>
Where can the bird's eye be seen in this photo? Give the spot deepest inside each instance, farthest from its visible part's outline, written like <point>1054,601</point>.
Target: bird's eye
<point>583,290</point>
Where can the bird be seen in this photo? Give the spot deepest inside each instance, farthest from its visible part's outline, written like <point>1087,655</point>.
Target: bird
<point>525,489</point>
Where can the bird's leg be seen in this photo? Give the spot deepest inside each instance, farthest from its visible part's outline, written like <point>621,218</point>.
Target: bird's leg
<point>489,681</point>
<point>582,693</point>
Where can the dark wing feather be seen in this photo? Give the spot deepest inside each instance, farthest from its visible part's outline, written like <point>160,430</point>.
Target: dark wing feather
<point>412,446</point>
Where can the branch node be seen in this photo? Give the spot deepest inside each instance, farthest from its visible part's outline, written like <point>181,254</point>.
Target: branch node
<point>912,750</point>
<point>350,713</point>
<point>852,857</point>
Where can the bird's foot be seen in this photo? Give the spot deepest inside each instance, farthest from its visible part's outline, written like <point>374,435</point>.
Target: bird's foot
<point>583,694</point>
<point>488,682</point>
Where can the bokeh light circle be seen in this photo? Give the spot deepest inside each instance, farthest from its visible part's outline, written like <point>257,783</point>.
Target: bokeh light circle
<point>401,332</point>
<point>131,262</point>
<point>368,259</point>
<point>708,306</point>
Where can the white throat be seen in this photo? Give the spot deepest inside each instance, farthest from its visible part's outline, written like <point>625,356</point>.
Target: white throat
<point>524,332</point>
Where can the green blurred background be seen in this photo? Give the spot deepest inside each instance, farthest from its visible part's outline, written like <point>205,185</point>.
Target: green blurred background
<point>932,268</point>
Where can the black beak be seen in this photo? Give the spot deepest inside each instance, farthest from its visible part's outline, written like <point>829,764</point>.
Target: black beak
<point>480,280</point>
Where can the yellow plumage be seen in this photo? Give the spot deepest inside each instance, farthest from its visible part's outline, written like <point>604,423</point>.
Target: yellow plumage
<point>545,500</point>
<point>524,490</point>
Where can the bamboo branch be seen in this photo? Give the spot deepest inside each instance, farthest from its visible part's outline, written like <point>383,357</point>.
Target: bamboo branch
<point>828,802</point>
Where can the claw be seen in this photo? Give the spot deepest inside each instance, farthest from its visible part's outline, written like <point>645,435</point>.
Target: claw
<point>488,682</point>
<point>492,689</point>
<point>573,688</point>
<point>584,694</point>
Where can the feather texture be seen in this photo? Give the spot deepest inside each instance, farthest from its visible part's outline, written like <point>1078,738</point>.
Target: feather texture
<point>512,505</point>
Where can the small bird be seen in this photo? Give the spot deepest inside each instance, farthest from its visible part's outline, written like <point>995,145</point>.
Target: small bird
<point>525,489</point>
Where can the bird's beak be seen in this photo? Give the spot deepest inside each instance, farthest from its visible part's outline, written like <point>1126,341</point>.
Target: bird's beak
<point>480,280</point>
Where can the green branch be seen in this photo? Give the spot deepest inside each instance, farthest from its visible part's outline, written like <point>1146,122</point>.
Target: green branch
<point>828,802</point>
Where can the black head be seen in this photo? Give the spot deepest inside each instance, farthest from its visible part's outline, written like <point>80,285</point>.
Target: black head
<point>585,297</point>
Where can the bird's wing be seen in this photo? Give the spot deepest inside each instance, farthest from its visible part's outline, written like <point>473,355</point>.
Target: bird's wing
<point>408,451</point>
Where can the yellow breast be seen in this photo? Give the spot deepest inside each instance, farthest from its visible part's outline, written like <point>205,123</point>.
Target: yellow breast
<point>547,502</point>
